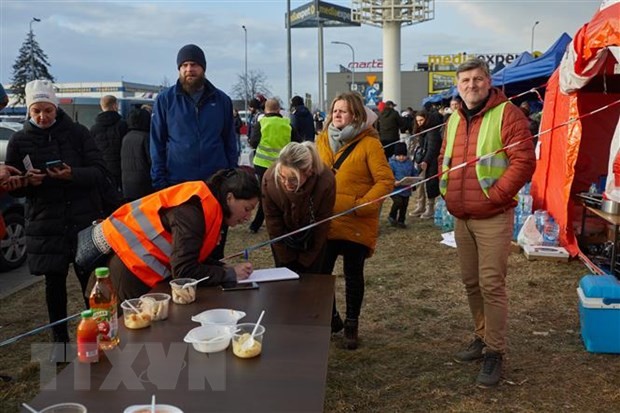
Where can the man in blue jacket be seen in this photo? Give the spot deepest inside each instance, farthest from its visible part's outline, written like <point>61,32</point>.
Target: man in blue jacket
<point>192,129</point>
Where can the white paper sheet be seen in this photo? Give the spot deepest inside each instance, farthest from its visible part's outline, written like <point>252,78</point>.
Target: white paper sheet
<point>448,239</point>
<point>271,274</point>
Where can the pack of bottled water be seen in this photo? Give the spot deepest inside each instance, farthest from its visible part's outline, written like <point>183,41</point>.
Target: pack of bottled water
<point>522,210</point>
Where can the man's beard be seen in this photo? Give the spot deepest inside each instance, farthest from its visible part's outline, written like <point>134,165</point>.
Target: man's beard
<point>193,85</point>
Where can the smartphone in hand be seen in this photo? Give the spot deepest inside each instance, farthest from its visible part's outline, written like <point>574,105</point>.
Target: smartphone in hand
<point>54,164</point>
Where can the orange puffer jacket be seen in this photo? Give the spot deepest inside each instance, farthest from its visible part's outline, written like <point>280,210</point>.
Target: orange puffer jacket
<point>464,197</point>
<point>364,176</point>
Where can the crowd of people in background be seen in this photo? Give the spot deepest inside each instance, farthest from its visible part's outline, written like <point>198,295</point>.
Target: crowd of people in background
<point>176,165</point>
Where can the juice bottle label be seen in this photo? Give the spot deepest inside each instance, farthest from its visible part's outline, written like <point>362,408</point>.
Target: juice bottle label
<point>107,322</point>
<point>88,351</point>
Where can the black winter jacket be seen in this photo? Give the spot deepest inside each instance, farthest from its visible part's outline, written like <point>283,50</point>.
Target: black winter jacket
<point>108,132</point>
<point>136,158</point>
<point>431,142</point>
<point>303,122</point>
<point>389,126</point>
<point>57,209</point>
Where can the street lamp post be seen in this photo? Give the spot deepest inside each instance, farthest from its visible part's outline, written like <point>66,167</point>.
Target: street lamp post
<point>245,76</point>
<point>32,75</point>
<point>353,63</point>
<point>533,27</point>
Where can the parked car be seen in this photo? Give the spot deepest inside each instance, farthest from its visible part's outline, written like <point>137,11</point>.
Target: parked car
<point>7,129</point>
<point>13,245</point>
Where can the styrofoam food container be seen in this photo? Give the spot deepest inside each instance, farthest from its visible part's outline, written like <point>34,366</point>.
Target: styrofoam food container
<point>146,408</point>
<point>202,338</point>
<point>65,408</point>
<point>219,316</point>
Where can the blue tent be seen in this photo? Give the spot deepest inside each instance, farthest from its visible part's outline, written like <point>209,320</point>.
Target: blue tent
<point>439,97</point>
<point>516,78</point>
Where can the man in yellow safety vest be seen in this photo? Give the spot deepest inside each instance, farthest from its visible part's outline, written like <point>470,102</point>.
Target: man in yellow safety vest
<point>482,196</point>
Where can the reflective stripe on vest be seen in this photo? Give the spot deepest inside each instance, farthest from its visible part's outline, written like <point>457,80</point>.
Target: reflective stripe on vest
<point>490,169</point>
<point>136,234</point>
<point>275,134</point>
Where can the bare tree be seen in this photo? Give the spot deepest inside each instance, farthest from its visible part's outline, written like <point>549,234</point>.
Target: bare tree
<point>257,83</point>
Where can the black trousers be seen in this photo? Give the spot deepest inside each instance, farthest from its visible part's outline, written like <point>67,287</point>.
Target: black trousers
<point>260,215</point>
<point>399,208</point>
<point>56,299</point>
<point>353,258</point>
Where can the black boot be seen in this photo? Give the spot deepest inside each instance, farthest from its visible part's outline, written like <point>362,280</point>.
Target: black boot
<point>350,334</point>
<point>58,352</point>
<point>337,324</point>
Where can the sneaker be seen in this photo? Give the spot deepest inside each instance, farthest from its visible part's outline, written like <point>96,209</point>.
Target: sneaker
<point>392,221</point>
<point>401,225</point>
<point>472,352</point>
<point>491,370</point>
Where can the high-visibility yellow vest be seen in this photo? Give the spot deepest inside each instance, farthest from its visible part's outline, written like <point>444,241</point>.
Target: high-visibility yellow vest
<point>489,169</point>
<point>275,135</point>
<point>136,234</point>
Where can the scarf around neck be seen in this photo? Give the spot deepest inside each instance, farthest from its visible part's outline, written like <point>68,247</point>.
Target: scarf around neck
<point>338,138</point>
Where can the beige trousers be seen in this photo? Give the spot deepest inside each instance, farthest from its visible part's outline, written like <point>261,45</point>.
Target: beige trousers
<point>483,247</point>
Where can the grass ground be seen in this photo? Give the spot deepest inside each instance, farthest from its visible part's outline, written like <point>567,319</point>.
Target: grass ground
<point>414,317</point>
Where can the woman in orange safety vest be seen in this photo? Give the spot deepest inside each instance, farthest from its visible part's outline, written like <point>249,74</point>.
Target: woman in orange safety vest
<point>173,233</point>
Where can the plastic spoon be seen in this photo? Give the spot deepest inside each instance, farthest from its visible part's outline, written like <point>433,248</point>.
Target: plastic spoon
<point>250,341</point>
<point>195,282</point>
<point>153,404</point>
<point>29,408</point>
<point>132,307</point>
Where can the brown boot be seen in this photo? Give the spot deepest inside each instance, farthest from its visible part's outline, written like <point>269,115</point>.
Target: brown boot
<point>350,334</point>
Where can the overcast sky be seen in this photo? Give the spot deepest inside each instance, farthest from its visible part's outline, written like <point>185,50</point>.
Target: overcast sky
<point>138,40</point>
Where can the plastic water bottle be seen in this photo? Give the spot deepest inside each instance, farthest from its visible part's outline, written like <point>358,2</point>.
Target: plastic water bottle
<point>447,221</point>
<point>540,216</point>
<point>526,202</point>
<point>440,205</point>
<point>593,189</point>
<point>551,233</point>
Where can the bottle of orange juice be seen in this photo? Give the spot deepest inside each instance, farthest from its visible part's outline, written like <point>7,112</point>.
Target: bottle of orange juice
<point>104,302</point>
<point>87,338</point>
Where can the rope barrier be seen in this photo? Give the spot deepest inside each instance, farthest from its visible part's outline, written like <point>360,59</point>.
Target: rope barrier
<point>246,252</point>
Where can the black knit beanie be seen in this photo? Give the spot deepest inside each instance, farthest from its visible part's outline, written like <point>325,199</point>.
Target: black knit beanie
<point>400,148</point>
<point>192,53</point>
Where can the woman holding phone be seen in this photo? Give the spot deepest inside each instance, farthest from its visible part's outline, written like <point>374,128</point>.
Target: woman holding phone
<point>61,170</point>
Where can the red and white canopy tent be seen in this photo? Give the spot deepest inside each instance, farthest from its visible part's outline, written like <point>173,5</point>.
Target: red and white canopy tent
<point>572,156</point>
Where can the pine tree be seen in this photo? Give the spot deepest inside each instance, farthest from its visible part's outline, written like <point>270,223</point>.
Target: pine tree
<point>30,64</point>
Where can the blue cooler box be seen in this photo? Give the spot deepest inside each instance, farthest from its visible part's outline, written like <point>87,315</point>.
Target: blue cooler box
<point>599,313</point>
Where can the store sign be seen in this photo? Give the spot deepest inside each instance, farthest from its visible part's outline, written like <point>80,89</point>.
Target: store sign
<point>371,64</point>
<point>492,59</point>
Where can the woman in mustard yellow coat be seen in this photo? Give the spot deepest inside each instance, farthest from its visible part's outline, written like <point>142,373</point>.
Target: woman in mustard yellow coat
<point>363,176</point>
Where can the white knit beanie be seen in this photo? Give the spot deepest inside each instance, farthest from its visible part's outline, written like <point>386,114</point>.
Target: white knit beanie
<point>40,91</point>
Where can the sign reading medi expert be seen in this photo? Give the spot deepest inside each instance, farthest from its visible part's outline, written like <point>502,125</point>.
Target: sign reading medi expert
<point>453,60</point>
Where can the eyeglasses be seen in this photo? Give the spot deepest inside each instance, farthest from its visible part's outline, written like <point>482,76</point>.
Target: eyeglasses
<point>290,180</point>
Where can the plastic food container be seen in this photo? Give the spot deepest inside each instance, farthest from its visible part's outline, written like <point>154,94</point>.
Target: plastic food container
<point>141,319</point>
<point>182,295</point>
<point>209,339</point>
<point>65,408</point>
<point>242,335</point>
<point>146,408</point>
<point>160,303</point>
<point>219,316</point>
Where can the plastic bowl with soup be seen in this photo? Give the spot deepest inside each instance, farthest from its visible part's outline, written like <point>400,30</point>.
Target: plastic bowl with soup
<point>209,339</point>
<point>137,319</point>
<point>219,316</point>
<point>244,346</point>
